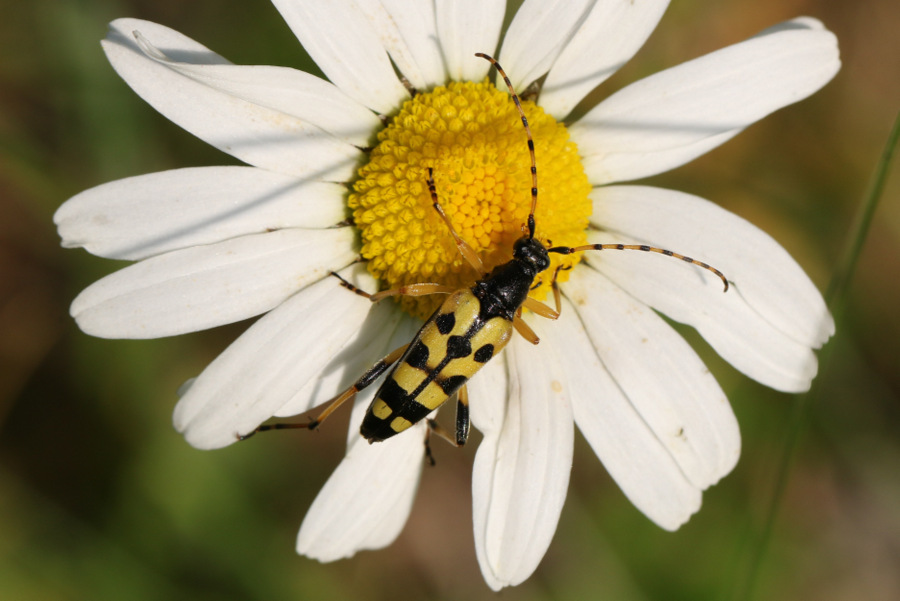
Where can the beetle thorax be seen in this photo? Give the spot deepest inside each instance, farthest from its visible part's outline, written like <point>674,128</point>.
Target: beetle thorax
<point>504,289</point>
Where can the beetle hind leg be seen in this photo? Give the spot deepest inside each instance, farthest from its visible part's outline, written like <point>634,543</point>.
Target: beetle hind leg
<point>462,426</point>
<point>462,416</point>
<point>350,393</point>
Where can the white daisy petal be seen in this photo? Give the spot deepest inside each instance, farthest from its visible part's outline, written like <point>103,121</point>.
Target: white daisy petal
<point>220,103</point>
<point>521,471</point>
<point>409,33</point>
<point>632,454</point>
<point>367,500</point>
<point>488,392</point>
<point>662,377</point>
<point>138,217</point>
<point>271,362</point>
<point>465,27</point>
<point>536,36</point>
<point>372,343</point>
<point>624,167</point>
<point>206,286</point>
<point>672,117</point>
<point>765,326</point>
<point>349,48</point>
<point>606,39</point>
<point>289,91</point>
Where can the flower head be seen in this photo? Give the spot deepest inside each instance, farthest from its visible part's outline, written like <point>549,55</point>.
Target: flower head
<point>216,245</point>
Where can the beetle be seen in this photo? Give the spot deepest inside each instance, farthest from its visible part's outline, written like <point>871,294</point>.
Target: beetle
<point>469,328</point>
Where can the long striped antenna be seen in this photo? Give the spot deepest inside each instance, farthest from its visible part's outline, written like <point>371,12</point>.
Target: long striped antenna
<point>568,250</point>
<point>515,98</point>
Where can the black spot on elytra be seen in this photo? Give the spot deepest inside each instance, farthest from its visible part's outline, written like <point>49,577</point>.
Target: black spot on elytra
<point>451,384</point>
<point>484,354</point>
<point>445,322</point>
<point>458,346</point>
<point>393,394</point>
<point>418,355</point>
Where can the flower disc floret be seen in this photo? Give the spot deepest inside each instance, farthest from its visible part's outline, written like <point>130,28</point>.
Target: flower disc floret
<point>471,136</point>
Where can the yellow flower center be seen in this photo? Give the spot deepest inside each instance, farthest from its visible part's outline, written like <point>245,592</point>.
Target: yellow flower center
<point>472,137</point>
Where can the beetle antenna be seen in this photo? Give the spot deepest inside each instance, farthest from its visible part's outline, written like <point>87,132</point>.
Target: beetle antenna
<point>515,97</point>
<point>568,250</point>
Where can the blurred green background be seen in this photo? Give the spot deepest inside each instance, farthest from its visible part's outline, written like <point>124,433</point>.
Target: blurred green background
<point>101,499</point>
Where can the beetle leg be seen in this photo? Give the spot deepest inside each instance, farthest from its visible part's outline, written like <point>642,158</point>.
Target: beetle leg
<point>462,416</point>
<point>465,250</point>
<point>413,290</point>
<point>525,330</point>
<point>540,308</point>
<point>462,425</point>
<point>423,289</point>
<point>367,378</point>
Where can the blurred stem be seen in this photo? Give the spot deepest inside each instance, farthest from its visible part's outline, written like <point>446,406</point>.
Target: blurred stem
<point>834,298</point>
<point>836,292</point>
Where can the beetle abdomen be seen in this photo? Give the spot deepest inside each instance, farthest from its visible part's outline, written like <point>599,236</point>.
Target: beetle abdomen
<point>449,349</point>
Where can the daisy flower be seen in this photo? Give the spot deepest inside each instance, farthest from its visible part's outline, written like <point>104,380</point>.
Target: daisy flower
<point>336,170</point>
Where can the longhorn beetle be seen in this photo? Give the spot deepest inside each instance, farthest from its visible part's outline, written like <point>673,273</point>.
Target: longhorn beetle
<point>469,328</point>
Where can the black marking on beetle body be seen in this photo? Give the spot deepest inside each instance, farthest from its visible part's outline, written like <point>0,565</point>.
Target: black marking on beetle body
<point>418,355</point>
<point>445,322</point>
<point>414,411</point>
<point>402,404</point>
<point>371,375</point>
<point>458,346</point>
<point>393,394</point>
<point>484,354</point>
<point>374,429</point>
<point>451,384</point>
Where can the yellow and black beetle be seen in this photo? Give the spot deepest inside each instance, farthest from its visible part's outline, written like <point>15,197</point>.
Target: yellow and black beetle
<point>467,330</point>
